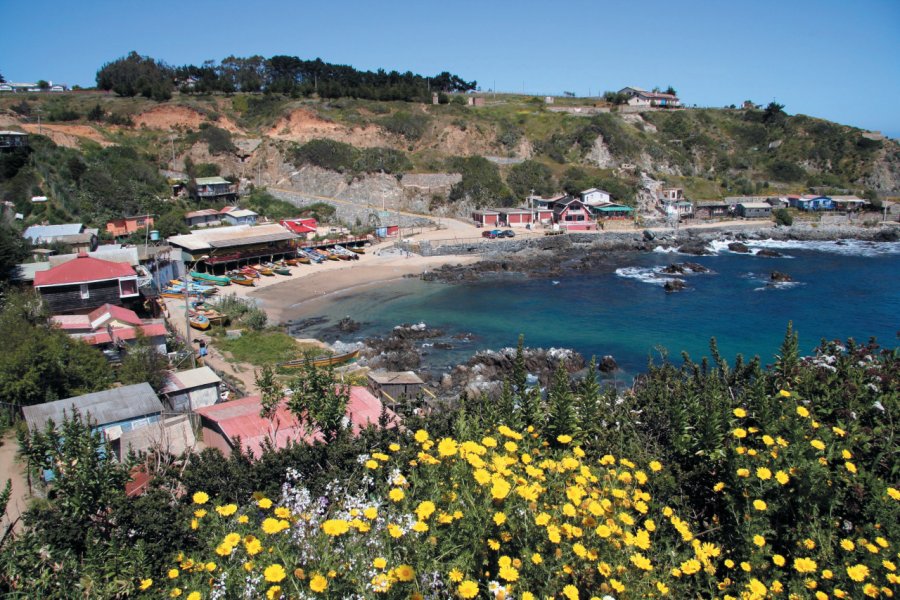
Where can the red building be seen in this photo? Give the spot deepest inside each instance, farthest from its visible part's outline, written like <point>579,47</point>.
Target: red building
<point>83,284</point>
<point>516,217</point>
<point>128,225</point>
<point>305,228</point>
<point>486,218</point>
<point>572,214</point>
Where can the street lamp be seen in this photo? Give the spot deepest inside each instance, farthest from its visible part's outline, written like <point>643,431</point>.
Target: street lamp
<point>187,306</point>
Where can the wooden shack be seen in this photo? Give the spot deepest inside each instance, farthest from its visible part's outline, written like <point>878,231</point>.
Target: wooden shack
<point>394,386</point>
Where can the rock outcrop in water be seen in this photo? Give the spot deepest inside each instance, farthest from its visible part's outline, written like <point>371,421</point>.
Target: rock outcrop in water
<point>399,350</point>
<point>779,277</point>
<point>484,372</point>
<point>675,285</point>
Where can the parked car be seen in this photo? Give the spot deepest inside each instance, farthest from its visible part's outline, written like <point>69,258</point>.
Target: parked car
<point>491,233</point>
<point>507,233</point>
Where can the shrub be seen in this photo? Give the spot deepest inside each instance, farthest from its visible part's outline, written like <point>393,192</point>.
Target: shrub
<point>783,217</point>
<point>409,125</point>
<point>328,154</point>
<point>218,139</point>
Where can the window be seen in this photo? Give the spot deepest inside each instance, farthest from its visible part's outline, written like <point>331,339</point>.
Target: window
<point>127,287</point>
<point>85,292</point>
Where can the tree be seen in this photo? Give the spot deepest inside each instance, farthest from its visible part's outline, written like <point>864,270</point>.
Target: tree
<point>42,84</point>
<point>587,400</point>
<point>135,75</point>
<point>774,113</point>
<point>481,183</point>
<point>143,362</point>
<point>671,90</point>
<point>783,217</point>
<point>319,401</point>
<point>531,175</point>
<point>560,408</point>
<point>13,250</point>
<point>2,80</point>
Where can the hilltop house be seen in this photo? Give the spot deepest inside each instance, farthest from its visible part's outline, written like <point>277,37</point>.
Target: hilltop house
<point>85,283</point>
<point>217,189</point>
<point>233,215</point>
<point>203,217</point>
<point>72,235</point>
<point>112,328</point>
<point>13,140</point>
<point>593,196</point>
<point>673,200</point>
<point>642,98</point>
<point>125,226</point>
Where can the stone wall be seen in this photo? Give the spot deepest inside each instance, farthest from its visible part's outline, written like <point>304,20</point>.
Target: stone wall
<point>351,212</point>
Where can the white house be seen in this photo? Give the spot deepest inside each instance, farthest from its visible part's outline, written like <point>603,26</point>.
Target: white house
<point>593,197</point>
<point>189,390</point>
<point>239,216</point>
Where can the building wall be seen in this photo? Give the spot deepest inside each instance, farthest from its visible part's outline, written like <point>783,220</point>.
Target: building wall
<point>67,298</point>
<point>213,438</point>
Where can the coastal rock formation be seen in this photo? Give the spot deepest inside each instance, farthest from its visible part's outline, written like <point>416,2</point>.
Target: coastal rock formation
<point>399,350</point>
<point>768,253</point>
<point>348,325</point>
<point>780,277</point>
<point>695,247</point>
<point>738,247</point>
<point>607,364</point>
<point>484,372</point>
<point>685,267</point>
<point>675,285</point>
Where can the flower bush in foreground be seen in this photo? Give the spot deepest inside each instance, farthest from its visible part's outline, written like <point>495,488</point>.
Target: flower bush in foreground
<point>512,514</point>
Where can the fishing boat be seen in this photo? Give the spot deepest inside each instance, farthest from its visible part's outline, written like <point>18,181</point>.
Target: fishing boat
<point>264,270</point>
<point>249,272</point>
<point>214,279</point>
<point>291,262</point>
<point>356,250</point>
<point>322,361</point>
<point>198,321</point>
<point>240,278</point>
<point>303,260</point>
<point>345,254</point>
<point>312,255</point>
<point>279,268</point>
<point>327,254</point>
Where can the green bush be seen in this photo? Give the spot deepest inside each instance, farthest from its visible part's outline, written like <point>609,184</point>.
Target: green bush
<point>409,125</point>
<point>481,183</point>
<point>328,154</point>
<point>783,217</point>
<point>218,139</point>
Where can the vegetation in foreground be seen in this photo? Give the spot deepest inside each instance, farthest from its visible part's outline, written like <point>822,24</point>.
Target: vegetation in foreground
<point>706,480</point>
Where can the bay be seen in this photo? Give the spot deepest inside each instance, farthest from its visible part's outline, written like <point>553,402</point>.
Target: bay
<point>619,307</point>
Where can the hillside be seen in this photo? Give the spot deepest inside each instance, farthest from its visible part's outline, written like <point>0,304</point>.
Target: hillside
<point>373,147</point>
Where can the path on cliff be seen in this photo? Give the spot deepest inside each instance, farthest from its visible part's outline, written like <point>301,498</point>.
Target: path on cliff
<point>13,470</point>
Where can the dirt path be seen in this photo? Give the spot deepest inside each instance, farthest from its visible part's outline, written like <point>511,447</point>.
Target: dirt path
<point>12,469</point>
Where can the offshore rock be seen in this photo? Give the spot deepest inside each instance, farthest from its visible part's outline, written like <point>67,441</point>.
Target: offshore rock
<point>738,247</point>
<point>768,253</point>
<point>607,364</point>
<point>675,285</point>
<point>780,277</point>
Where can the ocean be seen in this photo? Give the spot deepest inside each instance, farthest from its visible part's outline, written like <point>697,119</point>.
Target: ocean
<point>620,308</point>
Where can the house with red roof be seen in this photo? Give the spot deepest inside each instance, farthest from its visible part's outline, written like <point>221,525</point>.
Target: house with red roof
<point>112,328</point>
<point>305,228</point>
<point>224,423</point>
<point>85,283</point>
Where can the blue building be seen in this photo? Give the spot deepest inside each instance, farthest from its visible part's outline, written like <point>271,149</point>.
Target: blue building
<point>811,203</point>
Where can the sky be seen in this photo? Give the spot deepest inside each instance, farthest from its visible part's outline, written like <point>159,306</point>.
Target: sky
<point>839,60</point>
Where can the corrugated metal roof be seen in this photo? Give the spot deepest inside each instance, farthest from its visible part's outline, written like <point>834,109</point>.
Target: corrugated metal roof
<point>47,232</point>
<point>395,377</point>
<point>173,435</point>
<point>755,205</point>
<point>112,254</point>
<point>211,181</point>
<point>241,212</point>
<point>26,271</point>
<point>227,237</point>
<point>109,406</point>
<point>192,378</point>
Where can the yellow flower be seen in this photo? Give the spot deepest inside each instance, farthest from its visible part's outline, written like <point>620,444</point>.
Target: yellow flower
<point>500,489</point>
<point>499,518</point>
<point>804,565</point>
<point>763,473</point>
<point>370,513</point>
<point>848,545</point>
<point>817,444</point>
<point>655,466</point>
<point>396,494</point>
<point>394,447</point>
<point>243,519</point>
<point>405,573</point>
<point>740,413</point>
<point>536,558</point>
<point>467,589</point>
<point>784,393</point>
<point>782,477</point>
<point>801,410</point>
<point>273,526</point>
<point>425,509</point>
<point>759,540</point>
<point>371,464</point>
<point>850,466</point>
<point>663,588</point>
<point>508,573</point>
<point>172,574</point>
<point>778,560</point>
<point>759,504</point>
<point>273,592</point>
<point>858,572</point>
<point>827,574</point>
<point>455,575</point>
<point>175,593</point>
<point>564,439</point>
<point>200,513</point>
<point>227,510</point>
<point>421,436</point>
<point>757,587</point>
<point>146,583</point>
<point>719,486</point>
<point>200,497</point>
<point>743,472</point>
<point>274,573</point>
<point>570,592</point>
<point>739,433</point>
<point>194,596</point>
<point>264,503</point>
<point>893,493</point>
<point>252,545</point>
<point>318,583</point>
<point>447,447</point>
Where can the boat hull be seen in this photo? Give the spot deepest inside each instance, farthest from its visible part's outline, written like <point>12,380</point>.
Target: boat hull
<point>325,361</point>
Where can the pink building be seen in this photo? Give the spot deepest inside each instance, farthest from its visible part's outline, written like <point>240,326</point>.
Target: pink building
<point>571,214</point>
<point>486,218</point>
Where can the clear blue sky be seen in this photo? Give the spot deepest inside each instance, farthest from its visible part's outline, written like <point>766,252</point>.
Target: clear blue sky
<point>838,60</point>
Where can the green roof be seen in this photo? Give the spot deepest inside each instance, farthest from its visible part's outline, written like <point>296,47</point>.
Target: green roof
<point>211,181</point>
<point>614,209</point>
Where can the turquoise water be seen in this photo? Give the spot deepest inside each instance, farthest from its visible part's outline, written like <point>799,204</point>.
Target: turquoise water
<point>620,308</point>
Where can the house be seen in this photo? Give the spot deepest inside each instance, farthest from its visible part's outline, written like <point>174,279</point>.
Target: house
<point>671,194</point>
<point>611,211</point>
<point>47,234</point>
<point>572,215</point>
<point>811,203</point>
<point>515,217</point>
<point>779,202</point>
<point>127,408</point>
<point>217,189</point>
<point>643,98</point>
<point>394,387</point>
<point>173,435</point>
<point>85,283</point>
<point>848,203</point>
<point>683,208</point>
<point>754,210</point>
<point>203,217</point>
<point>486,218</point>
<point>225,248</point>
<point>304,228</point>
<point>189,390</point>
<point>713,209</point>
<point>13,140</point>
<point>593,196</point>
<point>125,226</point>
<point>224,423</point>
<point>113,328</point>
<point>238,216</point>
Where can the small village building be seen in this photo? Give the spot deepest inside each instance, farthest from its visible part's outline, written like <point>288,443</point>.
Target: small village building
<point>40,235</point>
<point>186,391</point>
<point>128,225</point>
<point>671,194</point>
<point>754,210</point>
<point>642,98</point>
<point>778,202</point>
<point>393,387</point>
<point>113,329</point>
<point>238,216</point>
<point>593,197</point>
<point>223,248</point>
<point>611,211</point>
<point>203,217</point>
<point>515,217</point>
<point>11,141</point>
<point>222,424</point>
<point>713,209</point>
<point>572,215</point>
<point>486,218</point>
<point>848,203</point>
<point>126,408</point>
<point>216,189</point>
<point>811,203</point>
<point>85,283</point>
<point>303,228</point>
<point>173,435</point>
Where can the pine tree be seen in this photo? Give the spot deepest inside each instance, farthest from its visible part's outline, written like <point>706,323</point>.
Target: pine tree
<point>787,363</point>
<point>561,417</point>
<point>587,401</point>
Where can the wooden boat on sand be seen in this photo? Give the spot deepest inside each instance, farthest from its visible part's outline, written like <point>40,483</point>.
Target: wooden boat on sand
<point>321,361</point>
<point>214,279</point>
<point>240,278</point>
<point>198,321</point>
